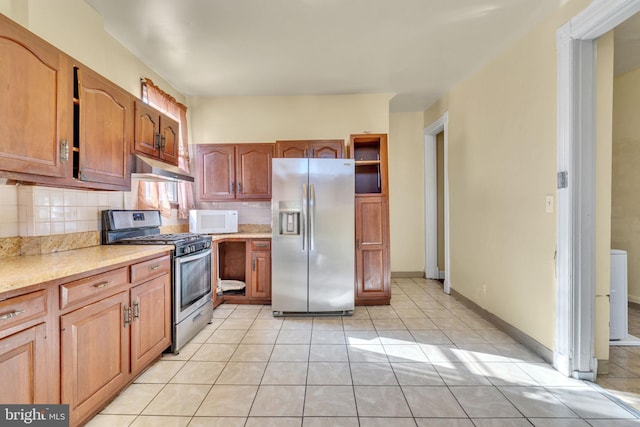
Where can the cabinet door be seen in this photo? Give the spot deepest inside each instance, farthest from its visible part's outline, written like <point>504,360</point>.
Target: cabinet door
<point>151,324</point>
<point>23,369</point>
<point>147,124</point>
<point>260,270</point>
<point>105,130</point>
<point>327,149</point>
<point>35,103</point>
<point>373,280</point>
<point>253,171</point>
<point>170,140</point>
<point>215,168</point>
<point>291,149</point>
<point>95,355</point>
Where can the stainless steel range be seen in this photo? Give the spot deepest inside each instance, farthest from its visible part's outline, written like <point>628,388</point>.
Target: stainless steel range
<point>191,266</point>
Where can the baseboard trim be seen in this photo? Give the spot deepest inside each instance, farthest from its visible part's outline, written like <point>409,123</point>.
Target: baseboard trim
<point>633,299</point>
<point>407,274</point>
<point>515,333</point>
<point>603,366</point>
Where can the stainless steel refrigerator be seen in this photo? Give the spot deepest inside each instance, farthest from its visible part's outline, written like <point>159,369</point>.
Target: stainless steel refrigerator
<point>312,236</point>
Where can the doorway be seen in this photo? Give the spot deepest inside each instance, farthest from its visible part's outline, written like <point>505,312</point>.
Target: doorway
<point>576,250</point>
<point>433,267</point>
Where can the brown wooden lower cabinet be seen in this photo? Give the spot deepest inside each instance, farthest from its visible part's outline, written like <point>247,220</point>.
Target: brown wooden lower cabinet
<point>151,321</point>
<point>246,260</point>
<point>373,275</point>
<point>261,270</point>
<point>94,355</point>
<point>23,367</point>
<point>28,349</point>
<point>109,338</point>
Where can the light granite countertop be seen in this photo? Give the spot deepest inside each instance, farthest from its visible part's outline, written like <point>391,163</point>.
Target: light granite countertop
<point>241,235</point>
<point>22,271</point>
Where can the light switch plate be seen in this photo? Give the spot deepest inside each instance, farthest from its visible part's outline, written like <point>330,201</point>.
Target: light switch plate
<point>548,204</point>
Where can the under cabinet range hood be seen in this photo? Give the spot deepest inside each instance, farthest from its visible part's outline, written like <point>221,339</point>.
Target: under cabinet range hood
<point>147,169</point>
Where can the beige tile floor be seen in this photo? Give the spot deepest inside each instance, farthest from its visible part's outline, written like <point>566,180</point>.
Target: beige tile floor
<point>426,360</point>
<point>623,378</point>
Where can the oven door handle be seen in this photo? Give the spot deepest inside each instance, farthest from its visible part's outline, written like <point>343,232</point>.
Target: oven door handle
<point>193,257</point>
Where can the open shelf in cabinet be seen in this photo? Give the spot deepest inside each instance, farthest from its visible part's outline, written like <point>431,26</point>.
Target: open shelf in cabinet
<point>232,266</point>
<point>368,153</point>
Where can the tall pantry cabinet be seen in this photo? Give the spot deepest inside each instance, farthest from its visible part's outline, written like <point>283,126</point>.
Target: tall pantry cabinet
<point>373,266</point>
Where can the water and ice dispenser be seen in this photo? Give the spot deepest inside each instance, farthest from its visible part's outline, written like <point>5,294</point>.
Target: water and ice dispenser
<point>289,217</point>
<point>289,222</point>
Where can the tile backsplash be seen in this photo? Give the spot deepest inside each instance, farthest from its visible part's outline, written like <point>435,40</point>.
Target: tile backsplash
<point>32,211</point>
<point>248,212</point>
<point>9,218</point>
<point>44,211</point>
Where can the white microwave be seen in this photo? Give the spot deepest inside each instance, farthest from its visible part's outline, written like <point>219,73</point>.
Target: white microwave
<point>213,221</point>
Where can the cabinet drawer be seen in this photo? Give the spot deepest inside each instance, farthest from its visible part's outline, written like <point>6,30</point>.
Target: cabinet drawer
<point>261,245</point>
<point>93,288</point>
<point>148,269</point>
<point>16,310</point>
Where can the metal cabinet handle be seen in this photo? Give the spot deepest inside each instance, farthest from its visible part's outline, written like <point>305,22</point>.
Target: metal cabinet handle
<point>64,150</point>
<point>126,314</point>
<point>240,188</point>
<point>253,264</point>
<point>154,267</point>
<point>12,314</point>
<point>136,310</point>
<point>103,284</point>
<point>261,245</point>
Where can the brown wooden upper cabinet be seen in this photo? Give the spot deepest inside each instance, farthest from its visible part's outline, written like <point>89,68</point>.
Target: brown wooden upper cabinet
<point>62,124</point>
<point>35,104</point>
<point>104,132</point>
<point>156,134</point>
<point>234,171</point>
<point>315,149</point>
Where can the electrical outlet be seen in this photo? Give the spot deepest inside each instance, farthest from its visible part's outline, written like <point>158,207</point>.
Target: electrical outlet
<point>548,204</point>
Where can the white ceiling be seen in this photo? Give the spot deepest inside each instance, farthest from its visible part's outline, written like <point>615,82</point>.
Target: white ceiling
<point>417,49</point>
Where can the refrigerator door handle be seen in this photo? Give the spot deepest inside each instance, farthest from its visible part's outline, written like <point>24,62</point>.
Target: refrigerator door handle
<point>303,219</point>
<point>312,216</point>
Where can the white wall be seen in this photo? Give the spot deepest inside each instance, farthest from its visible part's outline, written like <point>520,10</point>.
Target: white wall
<point>269,118</point>
<point>502,165</point>
<point>406,193</point>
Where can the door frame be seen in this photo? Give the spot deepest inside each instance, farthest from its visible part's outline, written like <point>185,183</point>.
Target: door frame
<point>431,201</point>
<point>574,353</point>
